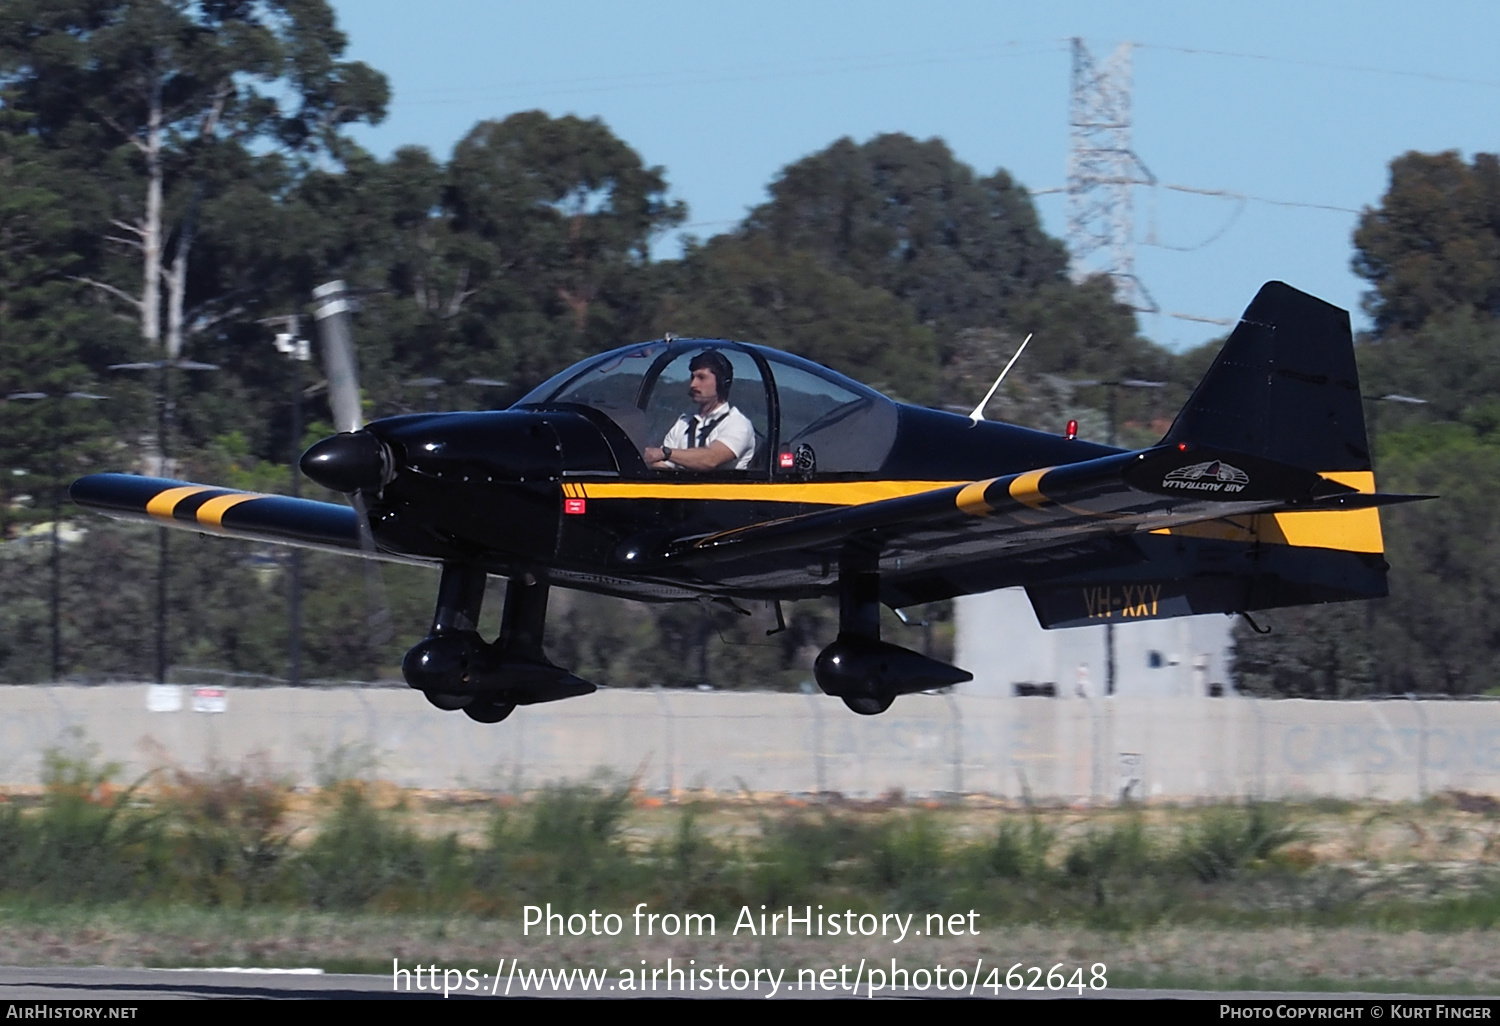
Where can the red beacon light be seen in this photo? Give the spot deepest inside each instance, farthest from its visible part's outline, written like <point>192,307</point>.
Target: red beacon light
<point>1072,430</point>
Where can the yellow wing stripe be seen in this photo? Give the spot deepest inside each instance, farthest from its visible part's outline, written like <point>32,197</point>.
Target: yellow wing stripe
<point>211,513</point>
<point>825,493</point>
<point>1026,489</point>
<point>971,499</point>
<point>164,502</point>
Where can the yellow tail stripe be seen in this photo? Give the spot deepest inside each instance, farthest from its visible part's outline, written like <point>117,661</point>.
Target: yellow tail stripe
<point>211,513</point>
<point>1354,530</point>
<point>164,502</point>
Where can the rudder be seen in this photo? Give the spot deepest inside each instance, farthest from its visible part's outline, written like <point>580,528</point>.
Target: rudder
<point>1285,387</point>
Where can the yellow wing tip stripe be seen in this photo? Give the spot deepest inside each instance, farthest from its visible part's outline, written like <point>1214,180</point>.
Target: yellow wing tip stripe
<point>971,499</point>
<point>164,502</point>
<point>1026,488</point>
<point>211,513</point>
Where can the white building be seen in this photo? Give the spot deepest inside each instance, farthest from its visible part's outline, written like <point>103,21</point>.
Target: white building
<point>999,641</point>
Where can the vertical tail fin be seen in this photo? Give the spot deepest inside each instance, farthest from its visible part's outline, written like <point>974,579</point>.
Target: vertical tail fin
<point>1284,387</point>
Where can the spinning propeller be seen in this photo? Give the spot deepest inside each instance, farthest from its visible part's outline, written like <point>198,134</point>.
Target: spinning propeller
<point>353,461</point>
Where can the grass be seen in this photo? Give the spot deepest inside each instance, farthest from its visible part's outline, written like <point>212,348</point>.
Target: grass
<point>235,868</point>
<point>238,842</point>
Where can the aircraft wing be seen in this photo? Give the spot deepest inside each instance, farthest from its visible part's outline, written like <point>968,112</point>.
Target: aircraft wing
<point>1155,489</point>
<point>277,519</point>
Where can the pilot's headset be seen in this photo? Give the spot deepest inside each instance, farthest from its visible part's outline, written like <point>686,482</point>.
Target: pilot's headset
<point>723,370</point>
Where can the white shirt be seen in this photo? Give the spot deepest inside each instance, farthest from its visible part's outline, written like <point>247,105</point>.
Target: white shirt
<point>724,424</point>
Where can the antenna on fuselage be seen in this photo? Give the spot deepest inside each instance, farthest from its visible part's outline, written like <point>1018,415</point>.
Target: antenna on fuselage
<point>978,414</point>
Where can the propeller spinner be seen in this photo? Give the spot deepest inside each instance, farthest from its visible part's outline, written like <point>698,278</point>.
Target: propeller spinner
<point>349,463</point>
<point>353,461</point>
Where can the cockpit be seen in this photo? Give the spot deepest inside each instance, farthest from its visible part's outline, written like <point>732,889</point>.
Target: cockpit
<point>808,420</point>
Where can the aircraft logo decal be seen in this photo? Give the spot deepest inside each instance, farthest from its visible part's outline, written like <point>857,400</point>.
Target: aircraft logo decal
<point>1214,476</point>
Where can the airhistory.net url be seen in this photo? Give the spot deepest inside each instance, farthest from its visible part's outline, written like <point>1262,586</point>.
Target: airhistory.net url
<point>679,977</point>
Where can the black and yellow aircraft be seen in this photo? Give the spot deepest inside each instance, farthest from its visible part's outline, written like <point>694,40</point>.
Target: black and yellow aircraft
<point>1261,495</point>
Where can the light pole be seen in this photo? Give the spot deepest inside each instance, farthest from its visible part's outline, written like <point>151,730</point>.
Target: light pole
<point>56,511</point>
<point>164,418</point>
<point>1114,417</point>
<point>290,343</point>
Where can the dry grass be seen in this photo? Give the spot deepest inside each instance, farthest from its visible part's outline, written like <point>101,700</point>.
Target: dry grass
<point>1340,865</point>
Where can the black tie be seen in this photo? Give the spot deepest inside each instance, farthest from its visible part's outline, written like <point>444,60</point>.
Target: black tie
<point>704,427</point>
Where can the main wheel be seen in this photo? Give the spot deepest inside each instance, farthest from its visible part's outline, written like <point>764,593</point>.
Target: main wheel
<point>869,706</point>
<point>448,703</point>
<point>482,711</point>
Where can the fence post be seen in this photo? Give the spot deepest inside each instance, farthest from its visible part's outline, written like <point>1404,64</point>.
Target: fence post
<point>956,728</point>
<point>1421,746</point>
<point>669,731</point>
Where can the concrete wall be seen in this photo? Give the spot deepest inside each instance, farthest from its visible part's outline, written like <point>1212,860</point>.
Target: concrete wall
<point>1065,749</point>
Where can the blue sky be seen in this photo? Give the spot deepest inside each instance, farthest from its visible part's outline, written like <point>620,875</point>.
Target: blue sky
<point>1301,103</point>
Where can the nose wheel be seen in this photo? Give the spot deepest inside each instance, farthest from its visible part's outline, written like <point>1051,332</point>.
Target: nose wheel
<point>457,669</point>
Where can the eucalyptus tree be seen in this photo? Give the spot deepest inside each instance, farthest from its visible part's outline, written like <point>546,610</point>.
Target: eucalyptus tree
<point>157,100</point>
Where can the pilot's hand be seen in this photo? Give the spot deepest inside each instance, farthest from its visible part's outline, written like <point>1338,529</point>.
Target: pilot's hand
<point>654,455</point>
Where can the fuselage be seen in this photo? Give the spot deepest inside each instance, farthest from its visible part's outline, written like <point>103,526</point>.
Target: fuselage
<point>559,480</point>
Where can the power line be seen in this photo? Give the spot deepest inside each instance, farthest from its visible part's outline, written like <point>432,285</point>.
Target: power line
<point>1226,193</point>
<point>676,78</point>
<point>1360,68</point>
<point>1231,194</point>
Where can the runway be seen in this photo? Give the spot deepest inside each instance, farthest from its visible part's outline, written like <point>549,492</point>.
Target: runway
<point>73,985</point>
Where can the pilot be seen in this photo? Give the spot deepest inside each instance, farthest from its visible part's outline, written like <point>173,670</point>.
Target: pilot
<point>717,435</point>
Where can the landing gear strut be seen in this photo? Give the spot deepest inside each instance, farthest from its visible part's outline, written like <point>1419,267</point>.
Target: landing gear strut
<point>859,668</point>
<point>457,669</point>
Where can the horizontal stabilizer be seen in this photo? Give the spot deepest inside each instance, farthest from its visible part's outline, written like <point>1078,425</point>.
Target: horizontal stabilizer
<point>1368,500</point>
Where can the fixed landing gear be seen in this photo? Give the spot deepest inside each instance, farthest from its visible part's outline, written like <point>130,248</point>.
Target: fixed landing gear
<point>481,710</point>
<point>869,706</point>
<point>488,712</point>
<point>859,668</point>
<point>457,669</point>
